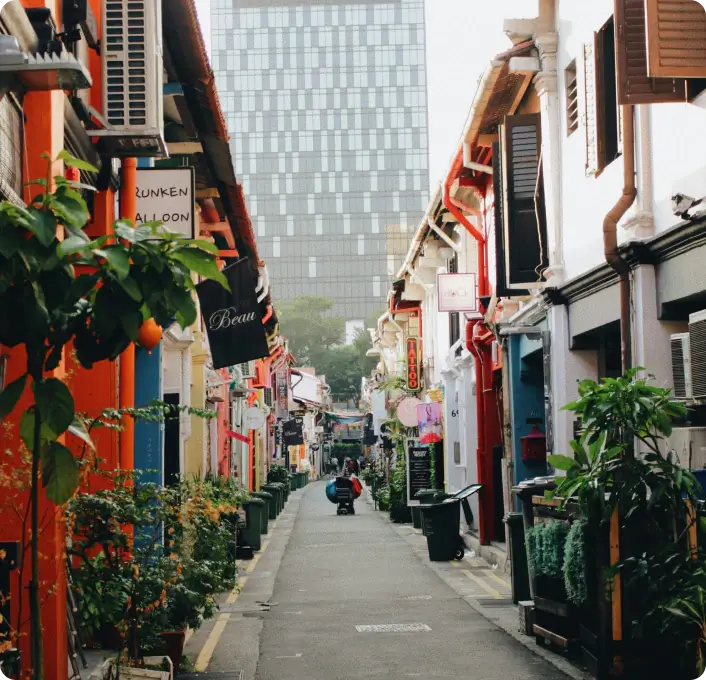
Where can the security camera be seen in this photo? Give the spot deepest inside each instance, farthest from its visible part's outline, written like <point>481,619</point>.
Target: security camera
<point>681,205</point>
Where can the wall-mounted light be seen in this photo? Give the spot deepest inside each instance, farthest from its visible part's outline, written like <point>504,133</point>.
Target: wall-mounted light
<point>38,72</point>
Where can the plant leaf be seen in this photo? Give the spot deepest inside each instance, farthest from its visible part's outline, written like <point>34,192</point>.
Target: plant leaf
<point>201,262</point>
<point>118,260</point>
<point>72,244</point>
<point>11,395</point>
<point>561,462</point>
<point>43,225</point>
<point>59,473</point>
<point>55,403</point>
<point>27,430</point>
<point>76,162</point>
<point>78,429</point>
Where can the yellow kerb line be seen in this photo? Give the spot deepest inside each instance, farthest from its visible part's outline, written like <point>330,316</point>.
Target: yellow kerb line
<point>483,584</point>
<point>499,579</point>
<point>204,658</point>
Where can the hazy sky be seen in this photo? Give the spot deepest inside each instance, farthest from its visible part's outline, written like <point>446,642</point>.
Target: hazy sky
<point>462,38</point>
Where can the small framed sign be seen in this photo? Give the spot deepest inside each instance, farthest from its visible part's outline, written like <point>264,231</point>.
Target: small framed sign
<point>418,470</point>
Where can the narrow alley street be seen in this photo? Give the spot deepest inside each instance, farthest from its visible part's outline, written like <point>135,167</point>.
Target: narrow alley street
<point>325,577</point>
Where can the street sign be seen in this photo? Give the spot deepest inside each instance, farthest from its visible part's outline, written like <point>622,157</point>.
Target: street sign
<point>418,470</point>
<point>166,195</point>
<point>413,364</point>
<point>282,389</point>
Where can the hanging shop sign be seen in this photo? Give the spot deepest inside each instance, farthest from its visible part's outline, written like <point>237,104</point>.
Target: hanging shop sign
<point>418,470</point>
<point>413,364</point>
<point>232,318</point>
<point>282,390</point>
<point>457,292</point>
<point>407,411</point>
<point>166,195</point>
<point>293,432</point>
<point>253,418</point>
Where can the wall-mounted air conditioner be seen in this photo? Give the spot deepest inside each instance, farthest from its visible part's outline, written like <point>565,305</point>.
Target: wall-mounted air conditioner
<point>681,366</point>
<point>267,396</point>
<point>697,352</point>
<point>689,445</point>
<point>133,67</point>
<point>247,369</point>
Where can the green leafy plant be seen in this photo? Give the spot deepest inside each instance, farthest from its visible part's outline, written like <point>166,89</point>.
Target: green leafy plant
<point>545,545</point>
<point>577,558</point>
<point>59,286</point>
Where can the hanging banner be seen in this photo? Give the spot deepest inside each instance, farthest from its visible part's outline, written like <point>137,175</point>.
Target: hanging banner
<point>413,364</point>
<point>282,390</point>
<point>232,318</point>
<point>431,426</point>
<point>418,470</point>
<point>293,432</point>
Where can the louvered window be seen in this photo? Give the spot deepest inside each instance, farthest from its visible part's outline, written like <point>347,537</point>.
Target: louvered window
<point>635,86</point>
<point>267,396</point>
<point>524,216</point>
<point>676,38</point>
<point>11,149</point>
<point>572,98</point>
<point>602,113</point>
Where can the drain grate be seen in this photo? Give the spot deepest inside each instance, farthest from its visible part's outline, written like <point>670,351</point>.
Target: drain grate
<point>394,628</point>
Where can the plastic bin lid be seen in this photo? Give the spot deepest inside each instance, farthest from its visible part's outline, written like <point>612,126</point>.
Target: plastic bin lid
<point>255,501</point>
<point>262,494</point>
<point>467,492</point>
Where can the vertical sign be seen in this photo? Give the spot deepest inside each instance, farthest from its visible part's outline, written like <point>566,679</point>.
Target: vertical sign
<point>418,470</point>
<point>412,355</point>
<point>281,387</point>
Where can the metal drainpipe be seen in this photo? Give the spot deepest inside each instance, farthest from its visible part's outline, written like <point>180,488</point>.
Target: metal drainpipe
<point>610,234</point>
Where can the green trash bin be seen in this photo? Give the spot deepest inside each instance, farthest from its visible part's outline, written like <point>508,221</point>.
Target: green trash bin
<point>254,508</point>
<point>519,568</point>
<point>294,480</point>
<point>425,496</point>
<point>441,521</point>
<point>276,494</point>
<point>266,513</point>
<point>303,479</point>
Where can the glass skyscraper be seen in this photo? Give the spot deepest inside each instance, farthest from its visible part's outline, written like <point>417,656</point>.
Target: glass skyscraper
<point>326,104</point>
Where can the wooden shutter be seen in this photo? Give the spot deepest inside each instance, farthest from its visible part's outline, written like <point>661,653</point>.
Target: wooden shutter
<point>11,149</point>
<point>524,216</point>
<point>590,108</point>
<point>501,289</point>
<point>634,85</point>
<point>676,39</point>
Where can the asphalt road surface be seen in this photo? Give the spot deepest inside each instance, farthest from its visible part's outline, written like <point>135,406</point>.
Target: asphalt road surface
<point>353,601</point>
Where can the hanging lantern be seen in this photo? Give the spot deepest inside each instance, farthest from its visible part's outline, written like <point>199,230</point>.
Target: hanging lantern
<point>149,335</point>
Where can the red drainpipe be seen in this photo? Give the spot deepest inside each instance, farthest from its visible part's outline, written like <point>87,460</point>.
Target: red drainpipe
<point>483,455</point>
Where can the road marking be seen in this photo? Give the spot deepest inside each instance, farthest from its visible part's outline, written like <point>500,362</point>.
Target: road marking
<point>456,564</point>
<point>483,584</point>
<point>233,594</point>
<point>293,656</point>
<point>249,569</point>
<point>417,597</point>
<point>394,628</point>
<point>206,654</point>
<point>500,580</point>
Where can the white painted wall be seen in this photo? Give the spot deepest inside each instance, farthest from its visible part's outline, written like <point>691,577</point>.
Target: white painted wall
<point>678,153</point>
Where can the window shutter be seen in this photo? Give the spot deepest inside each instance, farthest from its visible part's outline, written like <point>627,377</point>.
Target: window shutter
<point>501,289</point>
<point>11,150</point>
<point>590,108</point>
<point>634,85</point>
<point>676,39</point>
<point>524,218</point>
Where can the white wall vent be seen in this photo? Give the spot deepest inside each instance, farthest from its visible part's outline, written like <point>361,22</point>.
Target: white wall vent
<point>697,352</point>
<point>133,78</point>
<point>681,366</point>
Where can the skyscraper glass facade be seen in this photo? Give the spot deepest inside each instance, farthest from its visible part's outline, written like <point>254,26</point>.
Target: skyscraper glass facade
<point>327,109</point>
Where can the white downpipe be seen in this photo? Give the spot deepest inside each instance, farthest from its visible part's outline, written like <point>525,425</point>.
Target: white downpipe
<point>472,165</point>
<point>644,192</point>
<point>449,242</point>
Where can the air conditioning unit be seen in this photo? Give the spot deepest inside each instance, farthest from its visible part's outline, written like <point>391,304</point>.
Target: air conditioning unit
<point>247,369</point>
<point>681,366</point>
<point>697,353</point>
<point>131,52</point>
<point>689,445</point>
<point>267,396</point>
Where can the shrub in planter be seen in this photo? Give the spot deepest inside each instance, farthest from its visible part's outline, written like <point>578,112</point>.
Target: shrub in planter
<point>383,497</point>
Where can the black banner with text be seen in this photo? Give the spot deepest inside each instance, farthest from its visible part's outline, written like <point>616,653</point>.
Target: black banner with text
<point>232,319</point>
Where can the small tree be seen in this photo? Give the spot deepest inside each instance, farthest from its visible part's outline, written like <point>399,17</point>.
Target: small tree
<point>59,287</point>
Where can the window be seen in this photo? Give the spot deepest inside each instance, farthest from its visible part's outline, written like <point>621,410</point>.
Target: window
<point>11,149</point>
<point>602,111</point>
<point>572,98</point>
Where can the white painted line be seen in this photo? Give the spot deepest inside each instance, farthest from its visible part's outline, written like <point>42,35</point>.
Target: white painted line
<point>295,656</point>
<point>394,628</point>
